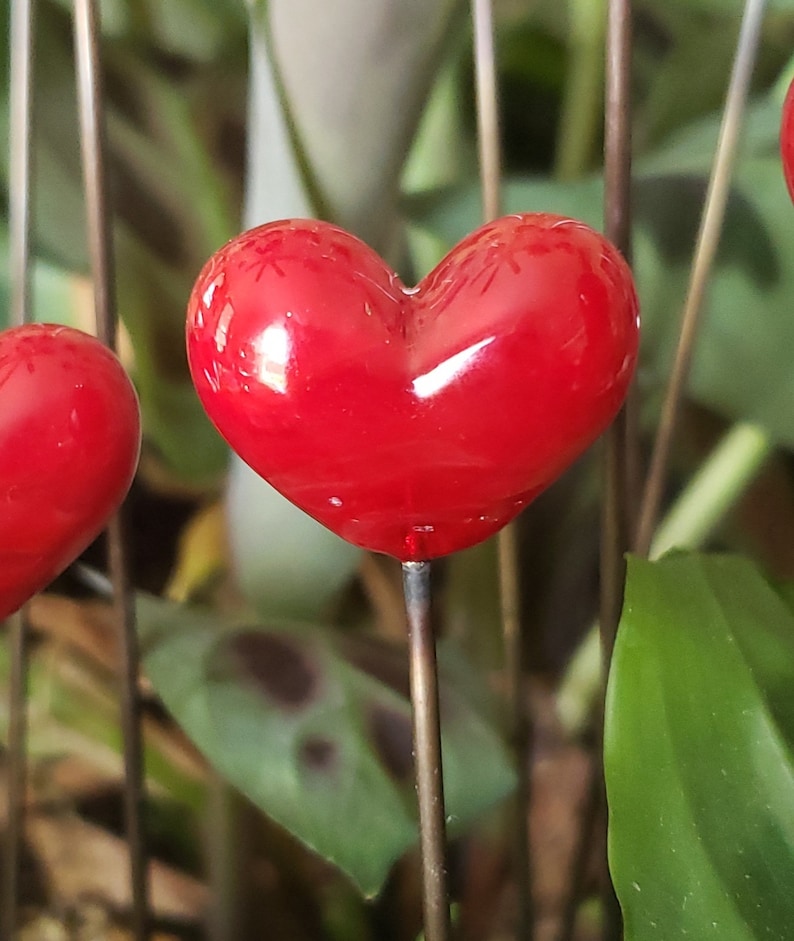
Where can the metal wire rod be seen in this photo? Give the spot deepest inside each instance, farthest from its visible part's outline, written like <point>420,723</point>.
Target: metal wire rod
<point>490,159</point>
<point>705,253</point>
<point>616,509</point>
<point>19,162</point>
<point>621,443</point>
<point>100,243</point>
<point>427,750</point>
<point>22,64</point>
<point>487,108</point>
<point>619,447</point>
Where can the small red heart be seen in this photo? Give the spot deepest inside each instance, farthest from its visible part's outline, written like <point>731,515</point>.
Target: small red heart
<point>70,433</point>
<point>413,422</point>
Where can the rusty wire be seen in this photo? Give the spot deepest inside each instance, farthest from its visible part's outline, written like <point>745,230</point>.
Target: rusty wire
<point>100,247</point>
<point>705,253</point>
<point>22,62</point>
<point>490,164</point>
<point>619,446</point>
<point>427,750</point>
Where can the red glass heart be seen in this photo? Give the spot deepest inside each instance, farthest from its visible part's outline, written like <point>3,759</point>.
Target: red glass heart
<point>413,422</point>
<point>70,435</point>
<point>787,139</point>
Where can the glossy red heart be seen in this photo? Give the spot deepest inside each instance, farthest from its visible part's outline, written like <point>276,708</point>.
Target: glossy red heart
<point>413,422</point>
<point>787,139</point>
<point>69,441</point>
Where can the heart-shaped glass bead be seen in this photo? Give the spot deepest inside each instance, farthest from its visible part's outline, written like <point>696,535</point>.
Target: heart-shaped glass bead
<point>413,422</point>
<point>70,434</point>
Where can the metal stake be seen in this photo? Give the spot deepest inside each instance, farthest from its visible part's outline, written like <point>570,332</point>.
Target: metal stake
<point>705,253</point>
<point>617,226</point>
<point>617,510</point>
<point>487,108</point>
<point>427,750</point>
<point>620,448</point>
<point>19,214</point>
<point>509,588</point>
<point>100,242</point>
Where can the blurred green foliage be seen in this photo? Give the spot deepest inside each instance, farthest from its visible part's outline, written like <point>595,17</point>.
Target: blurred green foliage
<point>222,113</point>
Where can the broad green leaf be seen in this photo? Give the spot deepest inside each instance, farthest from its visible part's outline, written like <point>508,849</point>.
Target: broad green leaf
<point>698,753</point>
<point>673,99</point>
<point>315,729</point>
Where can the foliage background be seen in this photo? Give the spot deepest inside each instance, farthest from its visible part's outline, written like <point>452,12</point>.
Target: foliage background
<point>223,115</point>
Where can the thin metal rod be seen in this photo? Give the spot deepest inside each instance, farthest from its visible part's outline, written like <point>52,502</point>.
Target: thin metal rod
<point>93,144</point>
<point>705,252</point>
<point>617,126</point>
<point>521,731</point>
<point>617,226</point>
<point>22,63</point>
<point>490,159</point>
<point>427,750</point>
<point>620,446</point>
<point>18,638</point>
<point>100,243</point>
<point>20,163</point>
<point>487,108</point>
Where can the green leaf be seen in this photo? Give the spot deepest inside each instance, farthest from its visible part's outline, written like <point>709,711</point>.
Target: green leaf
<point>698,752</point>
<point>701,49</point>
<point>315,729</point>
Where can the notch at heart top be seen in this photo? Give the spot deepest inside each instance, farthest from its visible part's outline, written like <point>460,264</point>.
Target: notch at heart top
<point>413,422</point>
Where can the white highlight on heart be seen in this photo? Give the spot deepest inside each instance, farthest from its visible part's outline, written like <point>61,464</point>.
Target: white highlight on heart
<point>440,376</point>
<point>272,353</point>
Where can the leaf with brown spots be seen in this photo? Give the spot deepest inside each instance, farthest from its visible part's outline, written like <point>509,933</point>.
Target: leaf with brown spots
<point>316,730</point>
